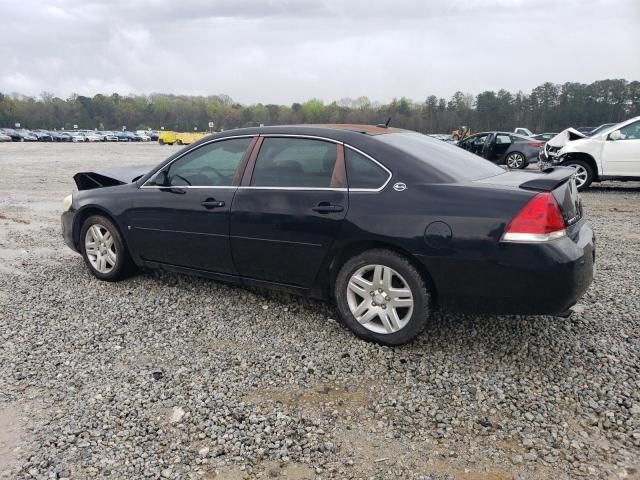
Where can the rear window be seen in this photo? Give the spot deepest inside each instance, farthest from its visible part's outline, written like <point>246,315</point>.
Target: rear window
<point>450,160</point>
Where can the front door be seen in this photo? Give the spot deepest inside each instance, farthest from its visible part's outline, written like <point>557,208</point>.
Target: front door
<point>284,221</point>
<point>622,157</point>
<point>181,215</point>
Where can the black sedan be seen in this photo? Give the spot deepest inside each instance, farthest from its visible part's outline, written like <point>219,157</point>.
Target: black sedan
<point>389,223</point>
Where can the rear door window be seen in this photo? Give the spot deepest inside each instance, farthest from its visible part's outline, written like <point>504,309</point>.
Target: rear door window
<point>295,163</point>
<point>362,172</point>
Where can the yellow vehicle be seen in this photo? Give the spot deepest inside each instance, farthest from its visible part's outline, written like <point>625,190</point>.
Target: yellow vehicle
<point>167,138</point>
<point>461,133</point>
<point>188,137</point>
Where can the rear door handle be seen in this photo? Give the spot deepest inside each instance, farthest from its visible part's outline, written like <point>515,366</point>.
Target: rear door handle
<point>210,203</point>
<point>326,207</point>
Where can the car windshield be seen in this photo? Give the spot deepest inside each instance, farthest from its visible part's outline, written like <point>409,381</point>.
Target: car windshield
<point>602,128</point>
<point>451,160</point>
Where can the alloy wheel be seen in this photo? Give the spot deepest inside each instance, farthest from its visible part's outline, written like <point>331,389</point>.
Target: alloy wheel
<point>100,248</point>
<point>380,299</point>
<point>581,175</point>
<point>515,160</point>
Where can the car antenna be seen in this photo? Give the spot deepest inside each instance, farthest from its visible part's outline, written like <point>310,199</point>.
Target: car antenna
<point>385,124</point>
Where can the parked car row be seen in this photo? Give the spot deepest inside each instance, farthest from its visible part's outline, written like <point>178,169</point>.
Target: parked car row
<point>41,135</point>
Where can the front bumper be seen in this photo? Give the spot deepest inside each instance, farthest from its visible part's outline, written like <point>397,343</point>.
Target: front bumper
<point>67,219</point>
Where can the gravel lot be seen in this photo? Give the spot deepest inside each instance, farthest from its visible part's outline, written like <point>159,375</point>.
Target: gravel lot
<point>167,376</point>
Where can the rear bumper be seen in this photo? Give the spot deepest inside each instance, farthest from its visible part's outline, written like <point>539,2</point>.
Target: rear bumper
<point>67,229</point>
<point>527,279</point>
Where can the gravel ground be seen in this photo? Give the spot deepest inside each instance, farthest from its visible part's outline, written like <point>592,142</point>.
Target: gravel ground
<point>167,376</point>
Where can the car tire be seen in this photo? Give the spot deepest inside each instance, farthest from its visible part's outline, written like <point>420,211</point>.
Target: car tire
<point>406,313</point>
<point>516,160</point>
<point>584,173</point>
<point>117,261</point>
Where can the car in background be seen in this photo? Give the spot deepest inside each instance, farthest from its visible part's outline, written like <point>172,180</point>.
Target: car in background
<point>585,130</point>
<point>544,137</point>
<point>131,137</point>
<point>4,137</point>
<point>313,210</point>
<point>601,128</point>
<point>525,132</point>
<point>145,135</point>
<point>167,137</point>
<point>15,136</point>
<point>63,136</point>
<point>503,148</point>
<point>77,137</point>
<point>108,136</point>
<point>27,135</point>
<point>120,136</point>
<point>93,137</point>
<point>187,138</point>
<point>43,135</point>
<point>611,154</point>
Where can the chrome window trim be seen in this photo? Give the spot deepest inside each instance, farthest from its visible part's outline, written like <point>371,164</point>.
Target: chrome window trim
<point>228,187</point>
<point>144,185</point>
<point>293,135</point>
<point>255,187</point>
<point>331,189</point>
<point>379,189</point>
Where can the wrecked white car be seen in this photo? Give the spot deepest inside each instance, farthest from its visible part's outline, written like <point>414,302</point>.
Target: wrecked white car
<point>611,154</point>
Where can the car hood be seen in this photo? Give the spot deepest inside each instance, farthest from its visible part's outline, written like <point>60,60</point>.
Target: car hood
<point>565,136</point>
<point>110,177</point>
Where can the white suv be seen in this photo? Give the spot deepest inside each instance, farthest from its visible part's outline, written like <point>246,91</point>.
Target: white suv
<point>612,154</point>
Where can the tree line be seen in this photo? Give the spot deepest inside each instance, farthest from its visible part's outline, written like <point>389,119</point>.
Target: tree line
<point>547,108</point>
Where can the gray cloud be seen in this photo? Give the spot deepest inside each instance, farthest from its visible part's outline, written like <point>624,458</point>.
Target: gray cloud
<point>291,50</point>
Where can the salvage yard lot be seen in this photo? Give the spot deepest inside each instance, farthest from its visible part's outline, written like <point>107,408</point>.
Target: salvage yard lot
<point>173,376</point>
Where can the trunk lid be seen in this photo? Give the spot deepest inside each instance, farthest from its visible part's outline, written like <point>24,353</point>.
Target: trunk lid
<point>557,180</point>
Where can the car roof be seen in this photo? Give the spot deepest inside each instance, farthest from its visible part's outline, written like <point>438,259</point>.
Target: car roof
<point>318,129</point>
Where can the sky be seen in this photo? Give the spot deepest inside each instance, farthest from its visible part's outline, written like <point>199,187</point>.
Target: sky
<point>285,51</point>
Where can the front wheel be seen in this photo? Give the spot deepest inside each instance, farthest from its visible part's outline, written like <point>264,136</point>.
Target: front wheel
<point>103,249</point>
<point>516,160</point>
<point>583,175</point>
<point>382,297</point>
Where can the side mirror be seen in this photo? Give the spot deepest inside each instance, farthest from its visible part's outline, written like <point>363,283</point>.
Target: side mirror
<point>615,135</point>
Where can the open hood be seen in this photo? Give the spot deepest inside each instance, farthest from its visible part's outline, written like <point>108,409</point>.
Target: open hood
<point>109,177</point>
<point>564,137</point>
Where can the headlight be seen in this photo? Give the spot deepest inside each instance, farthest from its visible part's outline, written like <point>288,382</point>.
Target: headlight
<point>66,203</point>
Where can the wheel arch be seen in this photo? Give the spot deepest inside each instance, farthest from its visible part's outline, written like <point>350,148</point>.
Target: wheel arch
<point>356,248</point>
<point>585,157</point>
<point>86,212</point>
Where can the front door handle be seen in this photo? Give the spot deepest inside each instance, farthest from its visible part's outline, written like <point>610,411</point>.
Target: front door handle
<point>326,207</point>
<point>210,203</point>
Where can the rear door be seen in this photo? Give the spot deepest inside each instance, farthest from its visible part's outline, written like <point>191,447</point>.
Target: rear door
<point>181,215</point>
<point>289,209</point>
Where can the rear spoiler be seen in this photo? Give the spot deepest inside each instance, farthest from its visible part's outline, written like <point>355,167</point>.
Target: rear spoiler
<point>549,179</point>
<point>109,178</point>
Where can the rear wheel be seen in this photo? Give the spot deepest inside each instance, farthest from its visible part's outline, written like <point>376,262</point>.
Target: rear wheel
<point>382,297</point>
<point>103,249</point>
<point>516,160</point>
<point>583,175</point>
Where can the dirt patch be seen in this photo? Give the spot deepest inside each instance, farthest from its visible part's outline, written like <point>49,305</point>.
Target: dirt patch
<point>312,399</point>
<point>11,436</point>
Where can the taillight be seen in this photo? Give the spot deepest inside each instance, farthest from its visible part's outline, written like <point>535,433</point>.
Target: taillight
<point>536,144</point>
<point>539,221</point>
